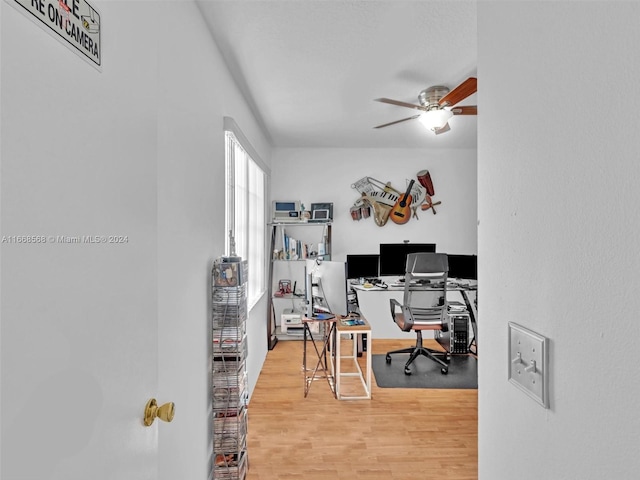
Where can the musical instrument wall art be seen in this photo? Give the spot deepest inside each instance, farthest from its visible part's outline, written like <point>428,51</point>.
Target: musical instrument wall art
<point>387,202</point>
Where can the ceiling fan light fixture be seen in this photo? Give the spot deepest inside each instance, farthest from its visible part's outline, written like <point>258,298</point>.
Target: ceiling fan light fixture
<point>435,119</point>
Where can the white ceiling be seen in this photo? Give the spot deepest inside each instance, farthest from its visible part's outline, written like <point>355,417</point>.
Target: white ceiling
<point>311,69</point>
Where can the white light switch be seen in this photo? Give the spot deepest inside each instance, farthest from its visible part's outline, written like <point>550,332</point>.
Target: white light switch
<point>528,362</point>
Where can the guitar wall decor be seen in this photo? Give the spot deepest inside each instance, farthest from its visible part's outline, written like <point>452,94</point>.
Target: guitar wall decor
<point>401,211</point>
<point>386,202</point>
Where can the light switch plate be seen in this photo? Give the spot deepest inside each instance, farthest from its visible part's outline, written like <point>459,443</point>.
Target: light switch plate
<point>529,363</point>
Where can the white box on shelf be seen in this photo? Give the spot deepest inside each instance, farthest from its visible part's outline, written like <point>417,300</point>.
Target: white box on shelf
<point>290,318</point>
<point>291,323</point>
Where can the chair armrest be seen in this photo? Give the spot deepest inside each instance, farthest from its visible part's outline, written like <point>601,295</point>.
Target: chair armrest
<point>393,303</point>
<point>401,318</point>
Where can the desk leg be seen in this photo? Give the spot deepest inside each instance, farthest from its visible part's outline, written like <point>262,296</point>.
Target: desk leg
<point>472,317</point>
<point>367,374</point>
<point>337,354</point>
<point>328,346</point>
<point>321,355</point>
<point>332,353</point>
<point>304,359</point>
<point>369,364</point>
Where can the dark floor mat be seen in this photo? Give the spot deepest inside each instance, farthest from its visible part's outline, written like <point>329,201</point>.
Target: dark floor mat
<point>425,373</point>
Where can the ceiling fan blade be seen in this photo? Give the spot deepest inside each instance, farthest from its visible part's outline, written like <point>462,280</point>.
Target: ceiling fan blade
<point>466,110</point>
<point>399,103</point>
<point>462,91</point>
<point>446,128</point>
<point>397,121</point>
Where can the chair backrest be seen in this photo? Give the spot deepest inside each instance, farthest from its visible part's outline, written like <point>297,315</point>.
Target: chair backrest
<point>425,289</point>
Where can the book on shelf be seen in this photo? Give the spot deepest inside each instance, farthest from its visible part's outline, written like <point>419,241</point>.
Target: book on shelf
<point>294,249</point>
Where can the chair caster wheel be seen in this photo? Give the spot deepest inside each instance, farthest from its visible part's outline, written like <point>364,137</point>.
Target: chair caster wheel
<point>388,358</point>
<point>444,371</point>
<point>407,371</point>
<point>447,357</point>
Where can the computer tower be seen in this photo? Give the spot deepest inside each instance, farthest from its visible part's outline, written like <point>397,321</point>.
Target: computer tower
<point>459,325</point>
<point>456,339</point>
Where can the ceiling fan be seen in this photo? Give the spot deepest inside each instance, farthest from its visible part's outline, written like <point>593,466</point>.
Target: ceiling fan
<point>437,105</point>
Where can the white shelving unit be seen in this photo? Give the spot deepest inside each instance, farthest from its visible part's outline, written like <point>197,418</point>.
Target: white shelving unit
<point>292,244</point>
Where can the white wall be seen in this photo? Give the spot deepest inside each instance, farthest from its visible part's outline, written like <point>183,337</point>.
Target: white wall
<point>326,175</point>
<point>558,235</point>
<point>148,161</point>
<point>197,91</point>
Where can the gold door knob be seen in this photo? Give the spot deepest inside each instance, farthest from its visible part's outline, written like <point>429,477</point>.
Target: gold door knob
<point>164,412</point>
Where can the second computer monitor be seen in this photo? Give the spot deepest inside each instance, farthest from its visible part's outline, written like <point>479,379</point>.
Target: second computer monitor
<point>393,256</point>
<point>463,266</point>
<point>362,266</point>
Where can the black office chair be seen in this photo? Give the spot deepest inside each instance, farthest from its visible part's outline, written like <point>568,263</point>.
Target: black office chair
<point>424,305</point>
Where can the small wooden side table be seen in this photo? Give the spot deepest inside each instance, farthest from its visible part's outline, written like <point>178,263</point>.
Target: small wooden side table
<point>355,370</point>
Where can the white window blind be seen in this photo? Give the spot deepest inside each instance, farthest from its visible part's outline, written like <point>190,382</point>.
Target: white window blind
<point>245,213</point>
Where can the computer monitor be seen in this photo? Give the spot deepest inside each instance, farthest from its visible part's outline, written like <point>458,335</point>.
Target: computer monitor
<point>393,256</point>
<point>362,266</point>
<point>326,287</point>
<point>463,266</point>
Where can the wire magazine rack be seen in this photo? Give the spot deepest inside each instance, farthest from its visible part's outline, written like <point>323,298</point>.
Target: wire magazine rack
<point>229,374</point>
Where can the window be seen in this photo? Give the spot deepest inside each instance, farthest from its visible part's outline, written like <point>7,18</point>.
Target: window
<point>245,208</point>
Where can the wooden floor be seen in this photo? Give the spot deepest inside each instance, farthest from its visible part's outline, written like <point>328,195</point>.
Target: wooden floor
<point>400,434</point>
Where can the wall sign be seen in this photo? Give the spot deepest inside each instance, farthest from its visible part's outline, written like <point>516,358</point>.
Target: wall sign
<point>74,21</point>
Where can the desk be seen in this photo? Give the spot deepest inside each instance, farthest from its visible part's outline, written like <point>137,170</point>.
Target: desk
<point>355,371</point>
<point>374,304</point>
<point>321,368</point>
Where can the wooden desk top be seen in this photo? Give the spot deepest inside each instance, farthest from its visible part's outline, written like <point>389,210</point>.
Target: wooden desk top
<point>353,328</point>
<point>399,287</point>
